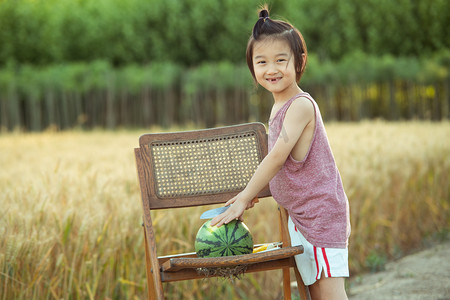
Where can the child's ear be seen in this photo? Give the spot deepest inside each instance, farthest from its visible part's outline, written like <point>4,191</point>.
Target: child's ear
<point>302,67</point>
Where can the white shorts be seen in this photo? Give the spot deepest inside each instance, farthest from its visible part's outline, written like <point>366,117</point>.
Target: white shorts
<point>332,261</point>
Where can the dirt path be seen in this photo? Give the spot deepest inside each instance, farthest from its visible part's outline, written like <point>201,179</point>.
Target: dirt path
<point>424,275</point>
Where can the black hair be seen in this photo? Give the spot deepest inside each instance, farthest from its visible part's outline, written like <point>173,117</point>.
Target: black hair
<point>266,27</point>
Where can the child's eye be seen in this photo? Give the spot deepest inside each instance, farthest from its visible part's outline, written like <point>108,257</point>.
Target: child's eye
<point>281,60</point>
<point>260,62</point>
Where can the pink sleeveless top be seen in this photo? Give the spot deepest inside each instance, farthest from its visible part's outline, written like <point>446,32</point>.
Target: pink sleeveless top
<point>311,190</point>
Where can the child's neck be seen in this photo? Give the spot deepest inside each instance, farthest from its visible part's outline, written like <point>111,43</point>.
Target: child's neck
<point>287,94</point>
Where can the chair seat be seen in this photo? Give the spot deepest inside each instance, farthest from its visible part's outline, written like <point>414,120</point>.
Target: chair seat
<point>176,264</point>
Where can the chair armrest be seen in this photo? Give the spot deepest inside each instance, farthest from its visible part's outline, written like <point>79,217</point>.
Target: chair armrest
<point>163,259</point>
<point>175,264</point>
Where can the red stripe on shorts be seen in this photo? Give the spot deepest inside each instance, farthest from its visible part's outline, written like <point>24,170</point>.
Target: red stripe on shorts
<point>317,262</point>
<point>326,262</point>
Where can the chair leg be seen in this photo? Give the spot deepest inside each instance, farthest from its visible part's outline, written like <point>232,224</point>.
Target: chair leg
<point>300,285</point>
<point>284,235</point>
<point>286,283</point>
<point>286,239</point>
<point>155,291</point>
<point>150,283</point>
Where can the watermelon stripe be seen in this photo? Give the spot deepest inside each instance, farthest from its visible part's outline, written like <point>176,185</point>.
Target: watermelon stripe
<point>230,239</point>
<point>209,242</point>
<point>241,238</point>
<point>217,236</point>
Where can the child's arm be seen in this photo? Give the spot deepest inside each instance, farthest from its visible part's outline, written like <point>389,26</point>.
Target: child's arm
<point>298,116</point>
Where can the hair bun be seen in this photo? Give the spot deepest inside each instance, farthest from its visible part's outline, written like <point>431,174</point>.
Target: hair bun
<point>263,17</point>
<point>264,13</point>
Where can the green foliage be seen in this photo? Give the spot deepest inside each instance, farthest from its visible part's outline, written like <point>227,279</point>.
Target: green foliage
<point>376,262</point>
<point>358,67</point>
<point>334,29</point>
<point>93,94</point>
<point>190,32</point>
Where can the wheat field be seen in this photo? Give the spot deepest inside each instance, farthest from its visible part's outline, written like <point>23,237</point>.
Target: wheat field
<point>70,213</point>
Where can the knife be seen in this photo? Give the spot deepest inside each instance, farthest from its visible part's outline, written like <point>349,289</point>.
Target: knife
<point>209,214</point>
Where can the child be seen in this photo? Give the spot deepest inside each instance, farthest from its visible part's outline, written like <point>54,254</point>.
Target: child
<point>300,166</point>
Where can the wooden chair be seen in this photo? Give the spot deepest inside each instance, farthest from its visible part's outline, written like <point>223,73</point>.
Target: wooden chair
<point>203,167</point>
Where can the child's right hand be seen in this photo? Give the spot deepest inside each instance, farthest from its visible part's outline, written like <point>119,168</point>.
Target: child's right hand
<point>234,212</point>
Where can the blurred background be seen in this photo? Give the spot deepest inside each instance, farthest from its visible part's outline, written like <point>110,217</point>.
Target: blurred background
<point>81,80</point>
<point>138,63</point>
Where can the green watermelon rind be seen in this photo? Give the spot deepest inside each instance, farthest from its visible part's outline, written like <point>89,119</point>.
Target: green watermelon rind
<point>222,241</point>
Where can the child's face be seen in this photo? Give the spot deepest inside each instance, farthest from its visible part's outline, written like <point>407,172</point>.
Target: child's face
<point>274,67</point>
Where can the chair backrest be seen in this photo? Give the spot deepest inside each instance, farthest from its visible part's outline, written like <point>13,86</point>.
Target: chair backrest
<point>191,168</point>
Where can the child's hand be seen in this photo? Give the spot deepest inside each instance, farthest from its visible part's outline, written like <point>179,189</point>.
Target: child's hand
<point>233,213</point>
<point>251,204</point>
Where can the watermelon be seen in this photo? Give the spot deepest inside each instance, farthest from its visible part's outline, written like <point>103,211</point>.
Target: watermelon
<point>229,239</point>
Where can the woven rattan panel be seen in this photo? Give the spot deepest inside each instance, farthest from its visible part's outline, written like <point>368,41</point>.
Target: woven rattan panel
<point>204,166</point>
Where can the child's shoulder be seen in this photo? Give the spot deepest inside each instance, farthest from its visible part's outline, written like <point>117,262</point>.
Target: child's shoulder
<point>301,105</point>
